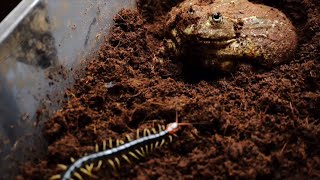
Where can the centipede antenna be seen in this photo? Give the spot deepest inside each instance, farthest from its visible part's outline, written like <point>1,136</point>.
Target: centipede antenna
<point>117,161</point>
<point>104,145</point>
<point>186,124</point>
<point>110,143</point>
<point>125,157</point>
<point>177,119</point>
<point>55,177</point>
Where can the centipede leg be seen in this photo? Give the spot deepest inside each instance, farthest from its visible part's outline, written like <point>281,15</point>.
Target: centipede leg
<point>111,163</point>
<point>125,157</point>
<point>110,143</point>
<point>55,177</point>
<point>98,166</point>
<point>77,175</point>
<point>62,166</point>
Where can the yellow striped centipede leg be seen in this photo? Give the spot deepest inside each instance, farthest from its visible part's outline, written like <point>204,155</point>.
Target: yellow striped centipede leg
<point>99,165</point>
<point>121,142</point>
<point>85,171</point>
<point>170,138</point>
<point>137,136</point>
<point>128,138</point>
<point>145,133</point>
<point>151,147</point>
<point>134,155</point>
<point>163,127</point>
<point>62,166</point>
<point>142,152</point>
<point>117,142</point>
<point>160,128</point>
<point>125,157</point>
<point>55,177</point>
<point>139,153</point>
<point>89,169</point>
<point>117,161</point>
<point>112,164</point>
<point>162,143</point>
<point>97,148</point>
<point>156,145</point>
<point>104,145</point>
<point>77,175</point>
<point>154,131</point>
<point>110,143</point>
<point>147,149</point>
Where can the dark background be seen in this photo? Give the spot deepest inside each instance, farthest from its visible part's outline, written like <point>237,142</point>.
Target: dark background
<point>6,7</point>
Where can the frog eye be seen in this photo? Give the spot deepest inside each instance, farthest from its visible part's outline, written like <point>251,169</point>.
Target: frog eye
<point>190,10</point>
<point>217,17</point>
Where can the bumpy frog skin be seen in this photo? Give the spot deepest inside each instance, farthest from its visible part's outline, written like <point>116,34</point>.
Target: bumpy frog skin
<point>223,33</point>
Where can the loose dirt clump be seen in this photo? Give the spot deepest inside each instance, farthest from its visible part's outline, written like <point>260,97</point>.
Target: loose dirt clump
<point>259,124</point>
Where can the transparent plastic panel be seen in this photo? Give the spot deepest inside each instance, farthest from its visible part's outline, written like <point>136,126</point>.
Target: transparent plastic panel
<point>42,45</point>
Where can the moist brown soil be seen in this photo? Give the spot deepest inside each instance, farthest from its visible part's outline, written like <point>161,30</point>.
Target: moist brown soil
<point>259,124</point>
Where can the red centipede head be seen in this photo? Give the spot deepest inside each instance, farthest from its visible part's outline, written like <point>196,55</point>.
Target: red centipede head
<point>174,127</point>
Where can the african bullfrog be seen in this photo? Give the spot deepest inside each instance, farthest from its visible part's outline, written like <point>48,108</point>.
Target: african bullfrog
<point>222,34</point>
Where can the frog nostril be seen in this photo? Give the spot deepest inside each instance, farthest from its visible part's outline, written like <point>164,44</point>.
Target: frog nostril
<point>238,25</point>
<point>217,17</point>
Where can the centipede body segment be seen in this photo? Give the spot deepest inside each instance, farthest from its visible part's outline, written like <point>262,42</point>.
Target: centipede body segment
<point>133,149</point>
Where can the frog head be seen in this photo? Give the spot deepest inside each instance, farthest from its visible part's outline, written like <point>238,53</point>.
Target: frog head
<point>211,28</point>
<point>207,24</point>
<point>223,33</point>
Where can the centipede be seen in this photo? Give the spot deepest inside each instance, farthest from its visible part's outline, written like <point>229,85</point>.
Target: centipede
<point>133,149</point>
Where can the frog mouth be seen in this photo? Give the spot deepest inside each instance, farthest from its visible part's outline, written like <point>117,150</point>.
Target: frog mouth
<point>215,42</point>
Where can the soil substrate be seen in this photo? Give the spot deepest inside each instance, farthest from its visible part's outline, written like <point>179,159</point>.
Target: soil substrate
<point>259,125</point>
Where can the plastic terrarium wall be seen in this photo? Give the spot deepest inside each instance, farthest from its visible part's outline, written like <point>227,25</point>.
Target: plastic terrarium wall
<point>42,45</point>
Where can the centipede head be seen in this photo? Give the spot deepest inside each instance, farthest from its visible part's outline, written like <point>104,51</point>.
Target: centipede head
<point>174,127</point>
